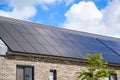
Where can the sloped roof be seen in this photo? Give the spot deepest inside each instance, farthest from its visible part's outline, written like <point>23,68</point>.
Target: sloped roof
<point>27,37</point>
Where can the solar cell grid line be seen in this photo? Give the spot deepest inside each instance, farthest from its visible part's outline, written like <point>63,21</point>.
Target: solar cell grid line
<point>64,44</point>
<point>62,47</point>
<point>19,27</point>
<point>111,43</point>
<point>41,31</point>
<point>84,39</point>
<point>56,44</point>
<point>26,45</point>
<point>36,29</point>
<point>70,49</point>
<point>14,43</point>
<point>41,49</point>
<point>117,50</point>
<point>60,34</point>
<point>97,48</point>
<point>30,29</point>
<point>40,39</point>
<point>111,58</point>
<point>51,40</point>
<point>2,34</point>
<point>87,47</point>
<point>67,48</point>
<point>109,47</point>
<point>14,33</point>
<point>63,52</point>
<point>76,48</point>
<point>19,39</point>
<point>37,35</point>
<point>51,49</point>
<point>32,32</point>
<point>30,38</point>
<point>51,33</point>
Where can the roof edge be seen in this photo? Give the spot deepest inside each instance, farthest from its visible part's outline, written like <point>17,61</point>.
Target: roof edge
<point>56,57</point>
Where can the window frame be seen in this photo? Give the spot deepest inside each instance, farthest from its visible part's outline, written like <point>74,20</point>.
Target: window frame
<point>54,74</point>
<point>113,75</point>
<point>25,66</point>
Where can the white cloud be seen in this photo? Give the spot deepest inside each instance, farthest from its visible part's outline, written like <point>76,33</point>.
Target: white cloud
<point>23,13</point>
<point>24,9</point>
<point>111,17</point>
<point>85,16</point>
<point>23,3</point>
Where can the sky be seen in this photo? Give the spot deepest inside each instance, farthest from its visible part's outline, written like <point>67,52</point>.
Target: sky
<point>93,16</point>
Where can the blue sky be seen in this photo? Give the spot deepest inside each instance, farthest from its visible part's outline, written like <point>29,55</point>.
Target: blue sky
<point>55,14</point>
<point>82,15</point>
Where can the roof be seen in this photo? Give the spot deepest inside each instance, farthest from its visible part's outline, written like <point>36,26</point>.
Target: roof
<point>32,38</point>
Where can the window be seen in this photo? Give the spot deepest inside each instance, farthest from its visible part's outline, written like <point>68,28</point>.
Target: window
<point>24,73</point>
<point>112,77</point>
<point>53,75</point>
<point>3,48</point>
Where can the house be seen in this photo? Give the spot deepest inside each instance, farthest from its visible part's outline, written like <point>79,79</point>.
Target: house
<point>31,51</point>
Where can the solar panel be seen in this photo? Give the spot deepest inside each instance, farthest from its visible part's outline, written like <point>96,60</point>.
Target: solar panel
<point>64,44</point>
<point>19,27</point>
<point>51,40</point>
<point>41,31</point>
<point>63,52</point>
<point>61,42</point>
<point>82,39</point>
<point>60,34</point>
<point>52,50</point>
<point>41,49</point>
<point>113,45</point>
<point>12,31</point>
<point>112,58</point>
<point>38,39</point>
<point>9,40</point>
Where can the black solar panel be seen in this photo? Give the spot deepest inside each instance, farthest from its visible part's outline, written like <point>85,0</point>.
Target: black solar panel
<point>9,40</point>
<point>52,50</point>
<point>112,58</point>
<point>38,39</point>
<point>113,45</point>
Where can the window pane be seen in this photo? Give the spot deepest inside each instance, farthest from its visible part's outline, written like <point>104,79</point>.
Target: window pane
<point>28,73</point>
<point>24,73</point>
<point>3,48</point>
<point>52,74</point>
<point>113,77</point>
<point>20,73</point>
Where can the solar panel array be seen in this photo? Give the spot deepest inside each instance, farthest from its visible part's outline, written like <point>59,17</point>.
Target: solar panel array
<point>39,39</point>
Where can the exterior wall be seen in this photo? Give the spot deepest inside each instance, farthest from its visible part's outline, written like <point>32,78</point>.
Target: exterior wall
<point>66,69</point>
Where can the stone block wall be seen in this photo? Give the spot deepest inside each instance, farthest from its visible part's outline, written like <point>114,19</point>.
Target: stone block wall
<point>66,69</point>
